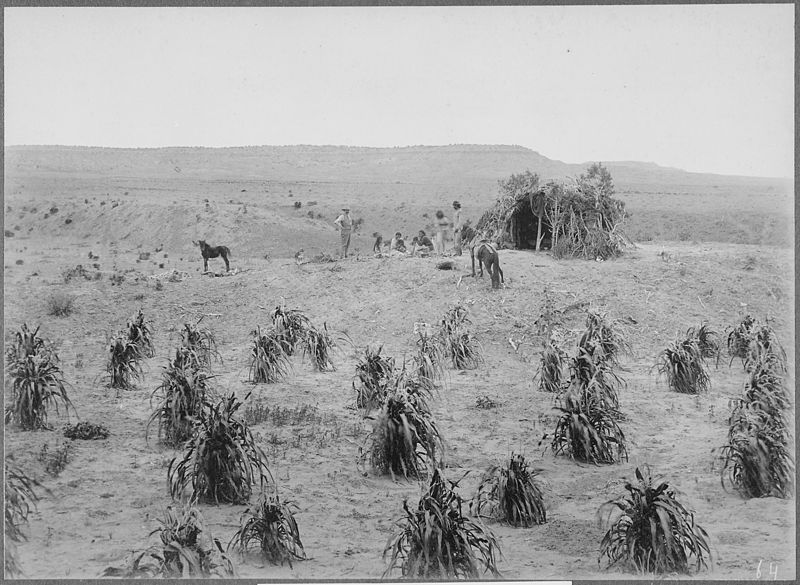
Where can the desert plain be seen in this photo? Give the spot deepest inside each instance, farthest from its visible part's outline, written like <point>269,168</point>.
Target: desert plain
<point>706,248</point>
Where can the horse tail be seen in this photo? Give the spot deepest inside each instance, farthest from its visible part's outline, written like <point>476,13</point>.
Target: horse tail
<point>227,250</point>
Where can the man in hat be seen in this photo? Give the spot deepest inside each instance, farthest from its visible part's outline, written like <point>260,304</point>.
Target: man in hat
<point>345,224</point>
<point>457,227</point>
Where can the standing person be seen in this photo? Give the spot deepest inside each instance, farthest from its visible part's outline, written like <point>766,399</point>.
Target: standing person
<point>442,224</point>
<point>457,227</point>
<point>345,223</point>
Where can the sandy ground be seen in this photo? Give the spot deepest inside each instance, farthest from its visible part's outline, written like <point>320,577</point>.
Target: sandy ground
<point>105,502</point>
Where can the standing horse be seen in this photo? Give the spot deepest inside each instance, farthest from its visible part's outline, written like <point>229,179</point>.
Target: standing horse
<point>487,255</point>
<point>213,252</point>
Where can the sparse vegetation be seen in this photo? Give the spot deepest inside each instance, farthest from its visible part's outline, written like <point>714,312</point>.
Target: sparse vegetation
<point>20,499</point>
<point>430,356</point>
<point>683,365</point>
<point>463,349</point>
<point>60,304</point>
<point>56,460</point>
<point>739,338</point>
<point>405,440</point>
<point>652,532</point>
<point>185,551</point>
<point>757,460</point>
<point>86,431</point>
<point>374,375</point>
<point>588,432</point>
<point>183,393</point>
<point>37,382</point>
<point>269,357</point>
<point>221,461</point>
<point>551,369</point>
<point>141,335</point>
<point>123,363</point>
<point>436,541</point>
<point>318,344</point>
<point>271,525</point>
<point>200,343</point>
<point>707,340</point>
<point>290,324</point>
<point>511,493</point>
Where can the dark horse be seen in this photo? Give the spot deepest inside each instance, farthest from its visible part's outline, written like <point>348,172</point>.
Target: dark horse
<point>487,255</point>
<point>213,252</point>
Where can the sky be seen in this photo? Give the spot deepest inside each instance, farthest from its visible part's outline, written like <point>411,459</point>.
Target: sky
<point>706,88</point>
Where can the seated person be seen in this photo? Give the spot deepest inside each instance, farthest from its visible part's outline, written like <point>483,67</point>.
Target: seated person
<point>424,243</point>
<point>398,245</point>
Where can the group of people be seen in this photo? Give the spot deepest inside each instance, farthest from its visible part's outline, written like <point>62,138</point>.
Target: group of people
<point>421,244</point>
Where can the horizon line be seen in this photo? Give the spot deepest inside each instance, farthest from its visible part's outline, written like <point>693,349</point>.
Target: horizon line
<point>409,146</point>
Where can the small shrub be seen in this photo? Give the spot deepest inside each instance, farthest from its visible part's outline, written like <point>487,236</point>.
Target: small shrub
<point>123,363</point>
<point>60,304</point>
<point>436,541</point>
<point>269,357</point>
<point>707,340</point>
<point>319,345</point>
<point>430,355</point>
<point>652,531</point>
<point>587,432</point>
<point>141,335</point>
<point>291,324</point>
<point>764,345</point>
<point>78,272</point>
<point>603,339</point>
<point>463,349</point>
<point>20,499</point>
<point>682,363</point>
<point>221,461</point>
<point>739,338</point>
<point>185,551</point>
<point>271,525</point>
<point>200,343</point>
<point>86,431</point>
<point>485,402</point>
<point>374,374</point>
<point>511,493</point>
<point>551,369</point>
<point>182,396</point>
<point>55,461</point>
<point>405,440</point>
<point>37,384</point>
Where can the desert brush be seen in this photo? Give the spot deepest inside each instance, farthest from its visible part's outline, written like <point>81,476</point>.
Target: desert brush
<point>437,541</point>
<point>270,524</point>
<point>221,461</point>
<point>682,363</point>
<point>37,383</point>
<point>510,493</point>
<point>652,532</point>
<point>269,357</point>
<point>374,375</point>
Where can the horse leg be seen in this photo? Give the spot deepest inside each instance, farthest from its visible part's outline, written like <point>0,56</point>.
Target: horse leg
<point>227,266</point>
<point>205,264</point>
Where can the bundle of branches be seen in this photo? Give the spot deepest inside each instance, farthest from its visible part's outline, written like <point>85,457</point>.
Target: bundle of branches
<point>200,343</point>
<point>436,541</point>
<point>290,324</point>
<point>511,493</point>
<point>652,531</point>
<point>269,356</point>
<point>272,526</point>
<point>141,335</point>
<point>374,375</point>
<point>186,550</point>
<point>37,381</point>
<point>682,363</point>
<point>221,461</point>
<point>757,460</point>
<point>182,394</point>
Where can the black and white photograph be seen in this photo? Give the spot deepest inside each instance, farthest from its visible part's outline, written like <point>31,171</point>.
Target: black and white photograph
<point>328,293</point>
